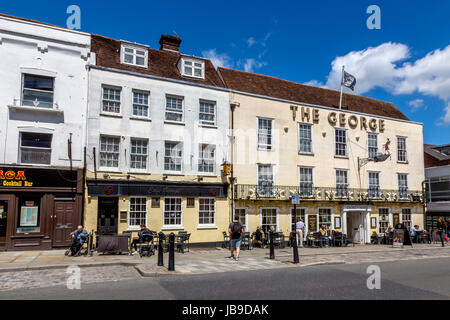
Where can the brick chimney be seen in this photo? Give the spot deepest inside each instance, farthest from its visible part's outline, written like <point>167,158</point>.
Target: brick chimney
<point>170,43</point>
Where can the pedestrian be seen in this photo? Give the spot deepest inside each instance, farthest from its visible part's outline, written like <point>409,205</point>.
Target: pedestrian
<point>441,226</point>
<point>235,230</point>
<point>300,231</point>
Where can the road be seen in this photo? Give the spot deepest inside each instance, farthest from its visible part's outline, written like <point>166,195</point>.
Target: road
<point>418,279</point>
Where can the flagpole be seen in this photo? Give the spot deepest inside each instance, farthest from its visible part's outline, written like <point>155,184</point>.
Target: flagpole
<point>342,88</point>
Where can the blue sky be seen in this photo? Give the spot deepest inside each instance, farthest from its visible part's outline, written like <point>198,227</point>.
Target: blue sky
<point>407,62</point>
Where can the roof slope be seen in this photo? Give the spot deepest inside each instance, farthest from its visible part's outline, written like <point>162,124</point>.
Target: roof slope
<point>161,63</point>
<point>283,89</point>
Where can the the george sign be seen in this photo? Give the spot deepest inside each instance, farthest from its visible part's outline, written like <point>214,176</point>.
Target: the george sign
<point>399,238</point>
<point>295,199</point>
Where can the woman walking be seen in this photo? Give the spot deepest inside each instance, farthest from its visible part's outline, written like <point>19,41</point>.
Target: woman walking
<point>441,226</point>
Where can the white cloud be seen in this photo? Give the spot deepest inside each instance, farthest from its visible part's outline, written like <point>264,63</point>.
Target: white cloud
<point>416,104</point>
<point>251,41</point>
<point>218,59</point>
<point>385,67</point>
<point>251,64</point>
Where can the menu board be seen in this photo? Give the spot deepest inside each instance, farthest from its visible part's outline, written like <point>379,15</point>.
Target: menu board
<point>399,238</point>
<point>29,216</point>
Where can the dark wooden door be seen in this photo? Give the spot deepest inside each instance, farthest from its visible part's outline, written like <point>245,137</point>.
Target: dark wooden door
<point>3,222</point>
<point>63,223</point>
<point>108,216</point>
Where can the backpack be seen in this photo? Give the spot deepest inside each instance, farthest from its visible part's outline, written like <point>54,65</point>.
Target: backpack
<point>236,228</point>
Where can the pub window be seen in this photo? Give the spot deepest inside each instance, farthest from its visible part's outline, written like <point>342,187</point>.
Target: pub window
<point>325,218</point>
<point>266,181</point>
<point>301,214</point>
<point>372,141</point>
<point>138,212</point>
<point>207,211</point>
<point>37,91</point>
<point>35,148</point>
<point>374,185</point>
<point>306,182</point>
<point>402,155</point>
<point>29,215</point>
<point>241,214</point>
<point>173,156</point>
<point>111,100</point>
<point>172,212</point>
<point>341,183</point>
<point>269,219</point>
<point>207,158</point>
<point>138,154</point>
<point>305,136</point>
<point>341,142</point>
<point>403,186</point>
<point>265,127</point>
<point>383,218</point>
<point>109,152</point>
<point>407,217</point>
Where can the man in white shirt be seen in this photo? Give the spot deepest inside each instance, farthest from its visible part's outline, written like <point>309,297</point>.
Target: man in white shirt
<point>300,229</point>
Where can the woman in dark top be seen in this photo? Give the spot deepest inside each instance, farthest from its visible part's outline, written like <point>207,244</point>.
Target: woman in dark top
<point>441,226</point>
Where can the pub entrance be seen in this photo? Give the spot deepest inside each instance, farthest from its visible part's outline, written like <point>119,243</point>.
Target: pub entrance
<point>356,224</point>
<point>108,216</point>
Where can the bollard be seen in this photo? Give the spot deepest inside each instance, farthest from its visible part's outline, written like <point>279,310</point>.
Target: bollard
<point>272,249</point>
<point>172,252</point>
<point>295,248</point>
<point>161,249</point>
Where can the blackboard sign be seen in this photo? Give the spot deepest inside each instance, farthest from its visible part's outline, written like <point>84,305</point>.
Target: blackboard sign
<point>399,238</point>
<point>312,223</point>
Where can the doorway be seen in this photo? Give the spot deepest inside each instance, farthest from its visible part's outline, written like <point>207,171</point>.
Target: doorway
<point>108,216</point>
<point>357,227</point>
<point>65,218</point>
<point>3,222</point>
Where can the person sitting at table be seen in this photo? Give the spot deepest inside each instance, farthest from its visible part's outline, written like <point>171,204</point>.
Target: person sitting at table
<point>144,230</point>
<point>324,233</point>
<point>260,237</point>
<point>414,233</point>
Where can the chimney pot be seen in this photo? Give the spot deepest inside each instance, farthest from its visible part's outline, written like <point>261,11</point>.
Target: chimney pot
<point>170,43</point>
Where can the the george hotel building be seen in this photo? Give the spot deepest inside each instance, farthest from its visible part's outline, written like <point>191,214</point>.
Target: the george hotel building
<point>293,139</point>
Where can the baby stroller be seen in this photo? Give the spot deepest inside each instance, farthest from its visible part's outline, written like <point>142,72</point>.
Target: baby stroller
<point>146,247</point>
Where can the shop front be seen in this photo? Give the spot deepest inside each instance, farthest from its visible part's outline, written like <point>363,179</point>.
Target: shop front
<point>116,206</point>
<point>39,207</point>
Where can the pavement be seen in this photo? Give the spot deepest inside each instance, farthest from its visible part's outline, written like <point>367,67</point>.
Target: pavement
<point>40,269</point>
<point>423,279</point>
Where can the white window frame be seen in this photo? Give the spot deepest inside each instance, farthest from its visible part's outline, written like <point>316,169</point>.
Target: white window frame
<point>265,147</point>
<point>206,122</point>
<point>181,145</point>
<point>378,192</point>
<point>379,220</point>
<point>137,91</point>
<point>201,159</point>
<point>173,226</point>
<point>37,90</point>
<point>291,216</point>
<point>336,143</point>
<point>100,152</point>
<point>371,134</point>
<point>208,225</point>
<point>110,87</point>
<point>246,216</point>
<point>405,150</point>
<point>135,48</point>
<point>139,154</point>
<point>35,148</point>
<point>336,182</point>
<point>319,224</point>
<point>300,139</point>
<point>313,181</point>
<point>273,179</point>
<point>137,227</point>
<point>192,61</point>
<point>172,110</point>
<point>277,213</point>
<point>407,186</point>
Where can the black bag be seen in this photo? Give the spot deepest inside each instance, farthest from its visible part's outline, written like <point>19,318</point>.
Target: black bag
<point>236,229</point>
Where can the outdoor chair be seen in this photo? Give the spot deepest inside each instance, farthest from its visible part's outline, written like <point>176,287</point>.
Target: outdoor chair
<point>374,239</point>
<point>315,239</point>
<point>337,239</point>
<point>226,241</point>
<point>183,242</point>
<point>246,241</point>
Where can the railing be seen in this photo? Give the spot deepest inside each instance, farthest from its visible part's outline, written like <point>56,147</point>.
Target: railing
<point>254,192</point>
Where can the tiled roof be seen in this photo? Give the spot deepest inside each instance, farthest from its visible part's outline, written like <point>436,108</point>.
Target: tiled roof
<point>287,90</point>
<point>161,63</point>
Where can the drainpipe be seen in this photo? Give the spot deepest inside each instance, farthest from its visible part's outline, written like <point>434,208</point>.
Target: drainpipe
<point>233,108</point>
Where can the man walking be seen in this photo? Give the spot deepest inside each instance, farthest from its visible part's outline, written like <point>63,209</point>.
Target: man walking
<point>300,230</point>
<point>235,230</point>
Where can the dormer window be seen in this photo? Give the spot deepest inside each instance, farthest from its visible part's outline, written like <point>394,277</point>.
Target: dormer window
<point>134,55</point>
<point>193,68</point>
